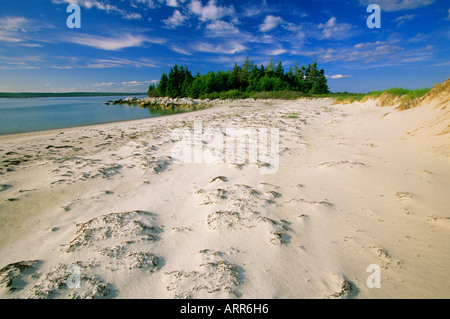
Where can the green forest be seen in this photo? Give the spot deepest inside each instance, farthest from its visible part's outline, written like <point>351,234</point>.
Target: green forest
<point>245,78</point>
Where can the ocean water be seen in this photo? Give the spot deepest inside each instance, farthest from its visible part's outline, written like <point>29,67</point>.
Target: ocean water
<point>39,114</point>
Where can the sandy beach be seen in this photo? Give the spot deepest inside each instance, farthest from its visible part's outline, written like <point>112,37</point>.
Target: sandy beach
<point>108,211</point>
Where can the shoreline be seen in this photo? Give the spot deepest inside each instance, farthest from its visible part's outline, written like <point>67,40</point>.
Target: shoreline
<point>50,131</point>
<point>357,185</point>
<point>211,103</point>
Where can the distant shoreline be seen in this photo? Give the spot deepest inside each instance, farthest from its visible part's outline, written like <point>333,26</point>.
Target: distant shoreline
<point>22,95</point>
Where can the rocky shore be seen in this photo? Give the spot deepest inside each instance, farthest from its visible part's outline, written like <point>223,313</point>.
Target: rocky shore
<point>163,102</point>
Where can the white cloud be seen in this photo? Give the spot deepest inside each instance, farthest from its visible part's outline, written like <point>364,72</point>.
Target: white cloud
<point>333,30</point>
<point>270,22</point>
<point>402,19</point>
<point>88,4</point>
<point>397,5</point>
<point>102,84</point>
<point>118,63</point>
<point>338,76</point>
<point>172,3</point>
<point>117,42</point>
<point>13,23</point>
<point>149,3</point>
<point>211,11</point>
<point>102,5</point>
<point>132,16</point>
<point>8,37</point>
<point>20,30</point>
<point>196,7</point>
<point>221,28</point>
<point>179,50</point>
<point>276,52</point>
<point>372,54</point>
<point>176,20</point>
<point>134,86</point>
<point>226,48</point>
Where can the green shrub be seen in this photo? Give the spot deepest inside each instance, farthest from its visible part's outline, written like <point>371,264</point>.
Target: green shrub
<point>233,94</point>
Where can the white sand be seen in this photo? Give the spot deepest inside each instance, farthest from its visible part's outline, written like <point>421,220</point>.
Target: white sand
<point>357,185</point>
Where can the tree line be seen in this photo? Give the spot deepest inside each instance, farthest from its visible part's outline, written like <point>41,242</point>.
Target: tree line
<point>247,77</point>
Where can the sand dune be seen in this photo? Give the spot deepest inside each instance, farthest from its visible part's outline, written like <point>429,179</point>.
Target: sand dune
<point>110,209</point>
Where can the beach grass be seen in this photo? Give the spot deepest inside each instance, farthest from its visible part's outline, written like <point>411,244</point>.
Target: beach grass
<point>402,93</point>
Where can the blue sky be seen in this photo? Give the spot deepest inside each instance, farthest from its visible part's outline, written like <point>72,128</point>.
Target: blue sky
<point>123,45</point>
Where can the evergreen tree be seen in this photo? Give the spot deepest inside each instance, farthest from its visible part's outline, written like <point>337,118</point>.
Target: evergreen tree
<point>171,90</point>
<point>162,85</point>
<point>279,71</point>
<point>270,70</point>
<point>290,79</point>
<point>243,77</point>
<point>187,84</point>
<point>320,85</point>
<point>262,72</point>
<point>246,78</point>
<point>152,90</point>
<point>233,80</point>
<point>196,88</point>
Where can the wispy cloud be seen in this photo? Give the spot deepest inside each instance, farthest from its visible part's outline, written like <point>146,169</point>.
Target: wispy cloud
<point>14,23</point>
<point>225,48</point>
<point>270,22</point>
<point>402,19</point>
<point>152,4</point>
<point>125,84</point>
<point>116,42</point>
<point>180,50</point>
<point>398,5</point>
<point>371,54</point>
<point>334,30</point>
<point>176,20</point>
<point>256,8</point>
<point>275,52</point>
<point>103,5</point>
<point>221,28</point>
<point>338,76</point>
<point>119,63</point>
<point>21,31</point>
<point>211,11</point>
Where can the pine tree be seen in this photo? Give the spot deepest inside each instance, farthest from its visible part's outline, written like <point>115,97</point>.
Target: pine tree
<point>245,70</point>
<point>270,70</point>
<point>233,80</point>
<point>187,83</point>
<point>279,71</point>
<point>320,86</point>
<point>290,79</point>
<point>162,85</point>
<point>246,78</point>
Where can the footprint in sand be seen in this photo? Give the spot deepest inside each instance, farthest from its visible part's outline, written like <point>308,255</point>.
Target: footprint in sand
<point>214,277</point>
<point>385,257</point>
<point>116,229</point>
<point>241,206</point>
<point>350,164</point>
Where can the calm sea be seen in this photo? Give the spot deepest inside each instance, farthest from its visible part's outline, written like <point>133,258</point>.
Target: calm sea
<point>39,114</point>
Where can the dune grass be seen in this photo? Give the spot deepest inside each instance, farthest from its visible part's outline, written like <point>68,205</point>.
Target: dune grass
<point>401,92</point>
<point>406,97</point>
